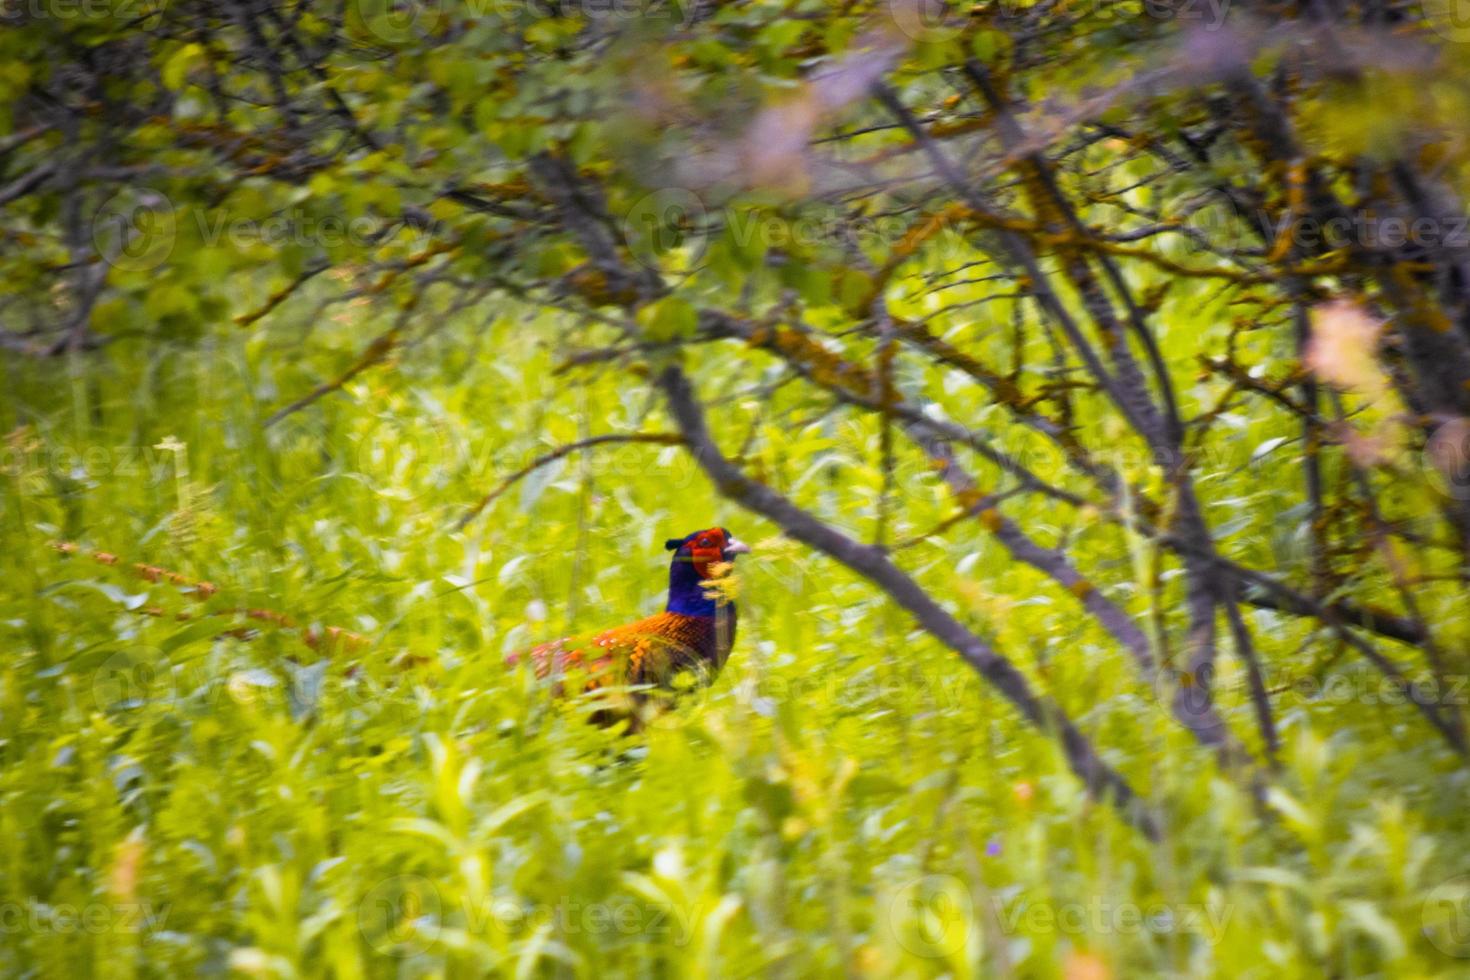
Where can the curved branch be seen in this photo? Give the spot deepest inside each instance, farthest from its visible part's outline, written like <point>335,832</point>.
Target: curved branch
<point>873,564</point>
<point>657,438</point>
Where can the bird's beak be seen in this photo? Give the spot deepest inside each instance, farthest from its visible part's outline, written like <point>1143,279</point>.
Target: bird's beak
<point>737,547</point>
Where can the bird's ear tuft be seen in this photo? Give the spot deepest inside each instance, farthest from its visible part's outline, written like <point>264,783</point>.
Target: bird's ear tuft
<point>673,544</point>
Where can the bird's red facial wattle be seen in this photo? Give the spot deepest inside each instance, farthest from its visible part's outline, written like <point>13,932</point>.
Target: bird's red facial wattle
<point>707,548</point>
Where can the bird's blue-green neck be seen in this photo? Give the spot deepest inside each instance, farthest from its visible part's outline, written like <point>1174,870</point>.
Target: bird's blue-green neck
<point>686,590</point>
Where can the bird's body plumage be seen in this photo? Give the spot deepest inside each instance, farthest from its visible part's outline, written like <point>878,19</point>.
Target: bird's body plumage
<point>692,636</point>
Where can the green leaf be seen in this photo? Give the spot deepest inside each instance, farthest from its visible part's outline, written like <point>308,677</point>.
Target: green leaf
<point>1266,446</point>
<point>668,319</point>
<point>176,69</point>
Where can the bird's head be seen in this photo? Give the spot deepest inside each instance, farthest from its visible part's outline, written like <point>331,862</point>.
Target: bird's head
<point>704,548</point>
<point>696,559</point>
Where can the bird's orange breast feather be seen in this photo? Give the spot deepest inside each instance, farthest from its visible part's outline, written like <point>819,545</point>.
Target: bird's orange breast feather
<point>647,651</point>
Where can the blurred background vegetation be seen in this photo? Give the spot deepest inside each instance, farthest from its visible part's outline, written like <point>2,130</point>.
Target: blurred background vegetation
<point>1091,380</point>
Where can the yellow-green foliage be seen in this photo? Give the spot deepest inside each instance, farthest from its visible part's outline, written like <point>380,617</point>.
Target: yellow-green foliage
<point>846,800</point>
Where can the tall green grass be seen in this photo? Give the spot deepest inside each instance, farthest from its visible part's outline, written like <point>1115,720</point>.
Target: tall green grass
<point>846,800</point>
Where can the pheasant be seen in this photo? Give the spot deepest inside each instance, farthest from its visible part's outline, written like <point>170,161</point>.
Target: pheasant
<point>692,636</point>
